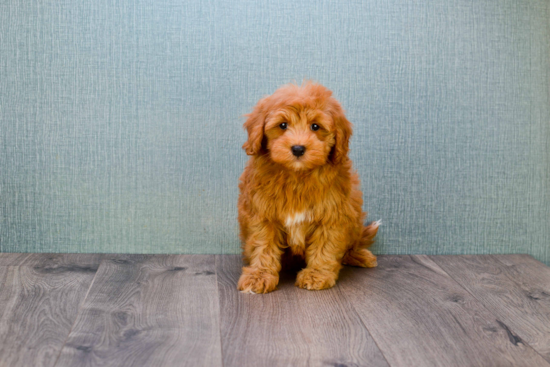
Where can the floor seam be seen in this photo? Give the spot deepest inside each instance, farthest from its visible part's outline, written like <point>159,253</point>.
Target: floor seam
<point>216,263</point>
<point>77,314</point>
<point>341,291</point>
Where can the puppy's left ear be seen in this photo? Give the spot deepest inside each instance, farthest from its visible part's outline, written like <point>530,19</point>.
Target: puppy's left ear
<point>254,125</point>
<point>343,133</point>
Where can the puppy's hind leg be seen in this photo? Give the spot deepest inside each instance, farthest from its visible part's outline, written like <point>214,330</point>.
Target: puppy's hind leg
<point>358,255</point>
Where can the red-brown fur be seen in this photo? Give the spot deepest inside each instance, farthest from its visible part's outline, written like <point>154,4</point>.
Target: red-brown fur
<point>310,206</point>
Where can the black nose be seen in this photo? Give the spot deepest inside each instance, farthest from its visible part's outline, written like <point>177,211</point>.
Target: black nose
<point>298,150</point>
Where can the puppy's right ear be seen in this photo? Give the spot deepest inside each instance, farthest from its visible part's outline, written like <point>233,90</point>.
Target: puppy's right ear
<point>254,125</point>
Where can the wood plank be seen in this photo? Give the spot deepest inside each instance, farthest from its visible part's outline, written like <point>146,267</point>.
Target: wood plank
<point>515,288</point>
<point>289,327</point>
<point>58,260</point>
<point>49,260</point>
<point>38,305</point>
<point>419,316</point>
<point>148,311</point>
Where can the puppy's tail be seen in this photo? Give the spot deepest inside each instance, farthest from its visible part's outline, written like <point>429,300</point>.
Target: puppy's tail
<point>358,255</point>
<point>369,232</point>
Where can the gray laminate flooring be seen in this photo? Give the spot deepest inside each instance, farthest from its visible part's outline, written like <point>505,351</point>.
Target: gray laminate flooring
<point>185,310</point>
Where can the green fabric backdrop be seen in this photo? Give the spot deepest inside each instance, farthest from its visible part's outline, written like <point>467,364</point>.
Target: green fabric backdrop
<point>121,120</point>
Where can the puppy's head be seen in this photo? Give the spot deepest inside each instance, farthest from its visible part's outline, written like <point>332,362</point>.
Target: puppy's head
<point>299,127</point>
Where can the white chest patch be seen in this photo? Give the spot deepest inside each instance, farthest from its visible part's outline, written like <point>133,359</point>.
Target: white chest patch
<point>295,229</point>
<point>293,220</point>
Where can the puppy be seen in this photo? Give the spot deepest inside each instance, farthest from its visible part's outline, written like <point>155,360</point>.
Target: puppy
<point>298,193</point>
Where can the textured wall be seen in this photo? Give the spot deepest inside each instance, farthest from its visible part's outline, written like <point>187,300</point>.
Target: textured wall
<point>121,120</point>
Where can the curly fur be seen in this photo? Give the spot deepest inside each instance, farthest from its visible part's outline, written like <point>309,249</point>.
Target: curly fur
<point>308,206</point>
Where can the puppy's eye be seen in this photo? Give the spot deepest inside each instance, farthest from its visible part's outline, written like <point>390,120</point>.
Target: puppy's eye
<point>283,125</point>
<point>315,127</point>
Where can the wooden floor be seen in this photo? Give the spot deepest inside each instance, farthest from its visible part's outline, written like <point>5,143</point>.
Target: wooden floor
<point>184,310</point>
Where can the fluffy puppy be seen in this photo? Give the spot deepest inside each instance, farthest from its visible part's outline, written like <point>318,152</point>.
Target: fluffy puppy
<point>298,193</point>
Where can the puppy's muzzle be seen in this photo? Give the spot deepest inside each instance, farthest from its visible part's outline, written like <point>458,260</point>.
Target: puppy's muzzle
<point>298,150</point>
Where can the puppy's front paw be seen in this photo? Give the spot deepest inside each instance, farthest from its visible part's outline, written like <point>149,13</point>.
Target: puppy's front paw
<point>314,279</point>
<point>256,281</point>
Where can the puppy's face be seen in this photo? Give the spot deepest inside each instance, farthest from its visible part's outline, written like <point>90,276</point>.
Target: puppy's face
<point>299,127</point>
<point>299,138</point>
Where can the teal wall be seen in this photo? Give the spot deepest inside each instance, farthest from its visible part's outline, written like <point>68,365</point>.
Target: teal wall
<point>121,120</point>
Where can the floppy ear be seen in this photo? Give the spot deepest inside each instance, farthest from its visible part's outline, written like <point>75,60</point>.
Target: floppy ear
<point>343,132</point>
<point>254,125</point>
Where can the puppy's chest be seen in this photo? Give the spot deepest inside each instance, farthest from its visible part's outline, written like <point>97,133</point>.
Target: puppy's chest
<point>296,226</point>
<point>297,219</point>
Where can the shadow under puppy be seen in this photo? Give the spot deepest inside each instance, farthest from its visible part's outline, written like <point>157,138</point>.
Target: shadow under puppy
<point>299,194</point>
